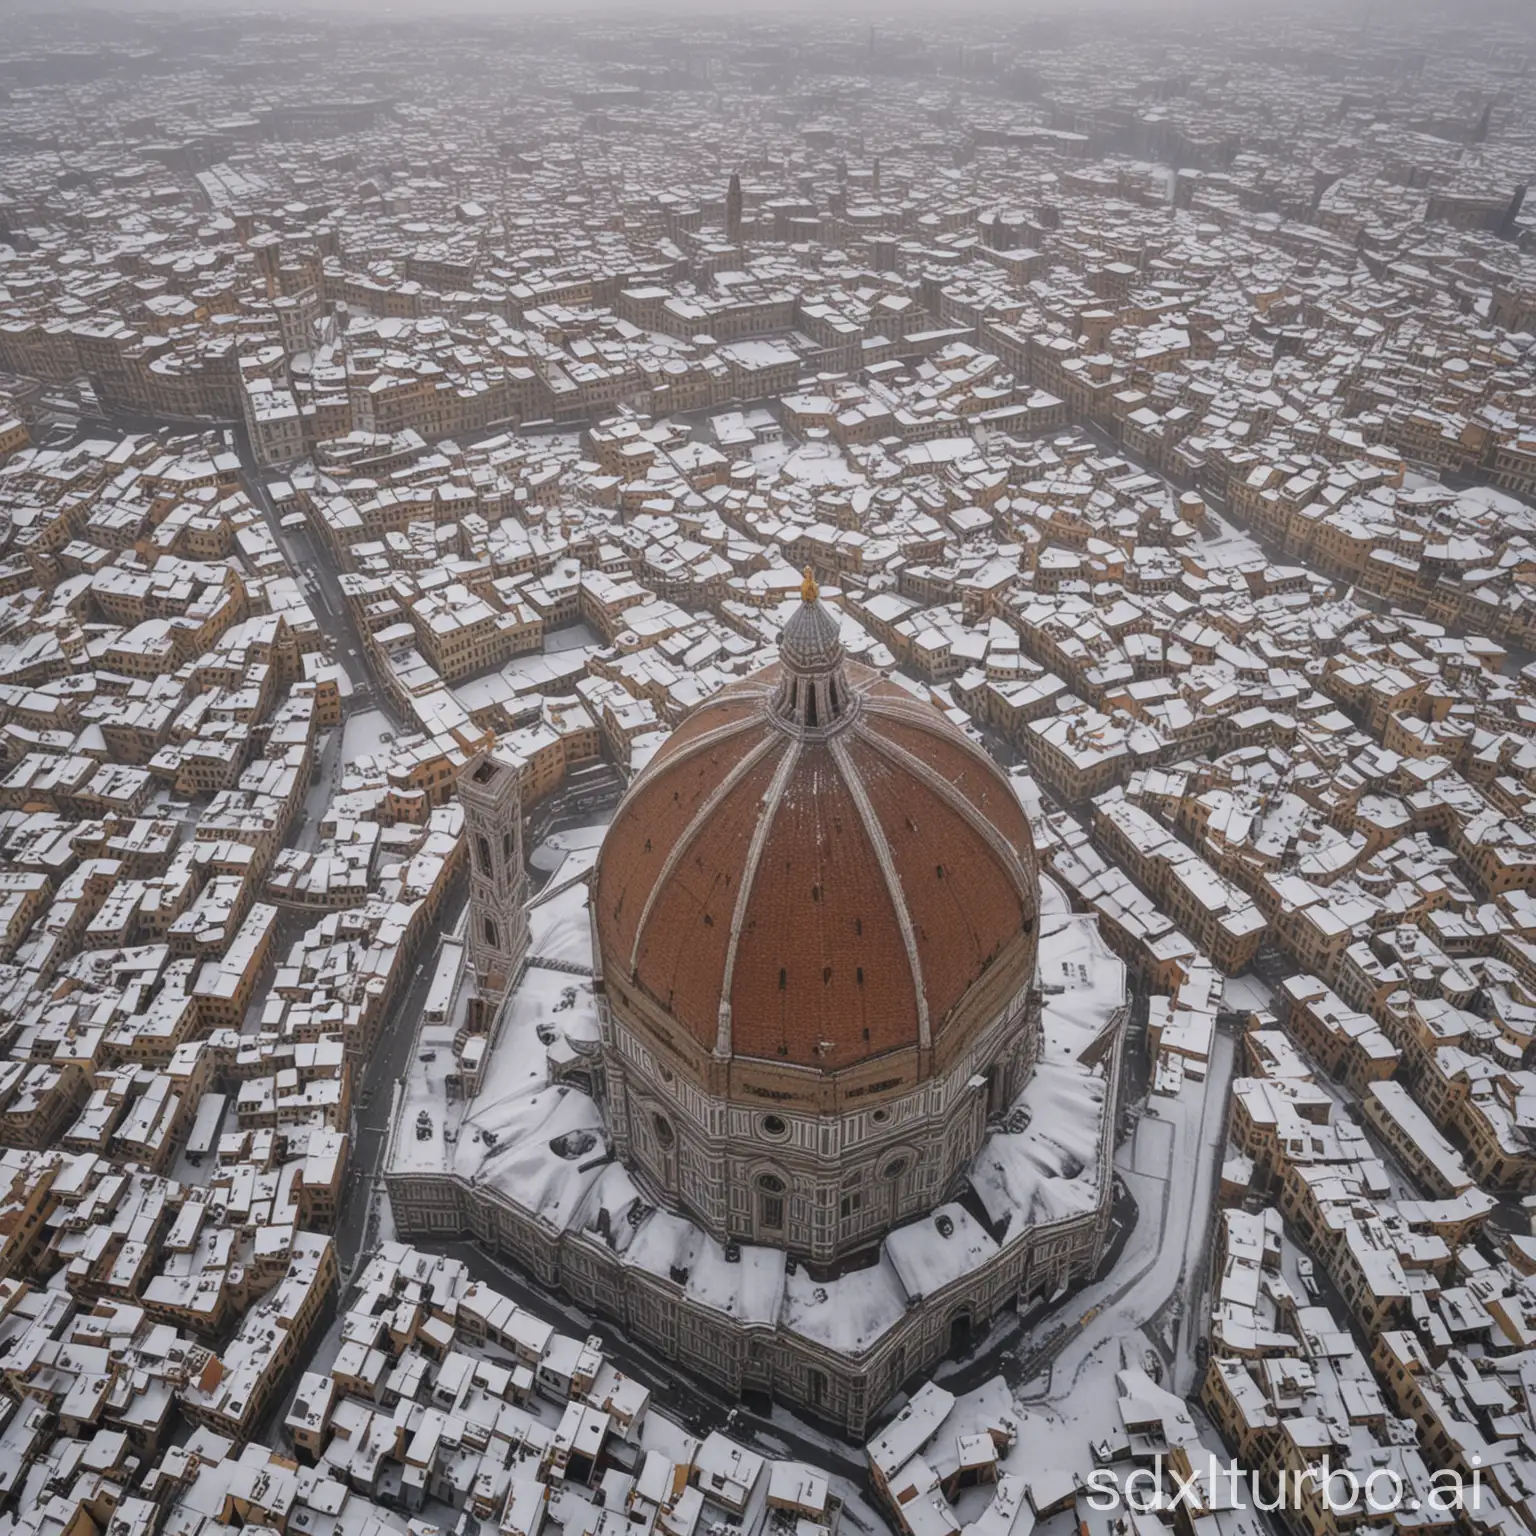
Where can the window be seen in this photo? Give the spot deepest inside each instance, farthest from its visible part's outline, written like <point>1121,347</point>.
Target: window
<point>665,1136</point>
<point>490,934</point>
<point>774,1126</point>
<point>482,854</point>
<point>770,1202</point>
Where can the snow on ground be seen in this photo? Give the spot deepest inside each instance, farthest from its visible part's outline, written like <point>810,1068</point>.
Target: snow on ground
<point>576,839</point>
<point>184,1170</point>
<point>571,637</point>
<point>857,1510</point>
<point>1170,1166</point>
<point>771,456</point>
<point>365,734</point>
<point>1223,542</point>
<point>1053,900</point>
<point>565,856</point>
<point>821,464</point>
<point>1247,994</point>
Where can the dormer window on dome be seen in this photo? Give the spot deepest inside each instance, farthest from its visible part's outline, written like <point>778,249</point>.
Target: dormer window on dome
<point>813,692</point>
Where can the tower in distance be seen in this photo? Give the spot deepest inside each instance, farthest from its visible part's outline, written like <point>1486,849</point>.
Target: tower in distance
<point>733,210</point>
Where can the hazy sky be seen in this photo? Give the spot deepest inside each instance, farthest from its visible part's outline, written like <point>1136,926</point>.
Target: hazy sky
<point>1380,16</point>
<point>914,10</point>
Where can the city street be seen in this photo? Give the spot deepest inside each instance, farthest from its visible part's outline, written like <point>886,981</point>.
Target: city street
<point>1151,1299</point>
<point>373,1094</point>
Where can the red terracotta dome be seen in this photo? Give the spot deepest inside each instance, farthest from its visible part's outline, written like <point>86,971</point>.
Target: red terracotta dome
<point>817,867</point>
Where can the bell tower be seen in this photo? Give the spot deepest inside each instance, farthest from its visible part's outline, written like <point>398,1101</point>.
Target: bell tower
<point>490,791</point>
<point>733,210</point>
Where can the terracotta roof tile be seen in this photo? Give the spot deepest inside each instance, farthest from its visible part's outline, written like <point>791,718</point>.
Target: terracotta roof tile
<point>821,975</point>
<point>821,912</point>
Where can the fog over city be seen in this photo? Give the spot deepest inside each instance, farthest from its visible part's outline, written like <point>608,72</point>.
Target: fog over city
<point>768,770</point>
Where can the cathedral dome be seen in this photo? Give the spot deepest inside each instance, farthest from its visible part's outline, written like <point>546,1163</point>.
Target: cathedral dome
<point>818,869</point>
